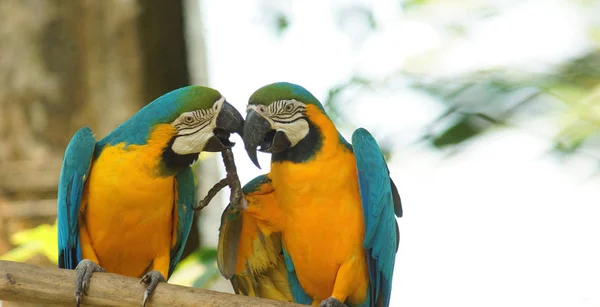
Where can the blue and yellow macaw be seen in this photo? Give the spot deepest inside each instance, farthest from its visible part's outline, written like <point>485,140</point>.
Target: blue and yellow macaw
<point>125,202</point>
<point>320,228</point>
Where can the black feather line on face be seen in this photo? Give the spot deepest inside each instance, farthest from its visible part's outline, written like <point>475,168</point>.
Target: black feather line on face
<point>278,108</point>
<point>201,118</point>
<point>199,126</point>
<point>289,121</point>
<point>305,150</point>
<point>172,162</point>
<point>282,116</point>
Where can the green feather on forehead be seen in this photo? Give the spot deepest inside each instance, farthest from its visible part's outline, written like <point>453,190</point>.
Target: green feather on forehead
<point>283,91</point>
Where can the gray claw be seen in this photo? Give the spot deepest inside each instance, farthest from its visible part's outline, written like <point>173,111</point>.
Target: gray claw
<point>152,278</point>
<point>83,273</point>
<point>331,302</point>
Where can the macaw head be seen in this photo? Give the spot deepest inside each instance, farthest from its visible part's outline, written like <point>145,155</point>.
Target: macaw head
<point>279,121</point>
<point>203,120</point>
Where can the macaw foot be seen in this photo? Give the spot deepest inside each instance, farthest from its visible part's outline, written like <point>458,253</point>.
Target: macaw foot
<point>331,302</point>
<point>152,278</point>
<point>83,272</point>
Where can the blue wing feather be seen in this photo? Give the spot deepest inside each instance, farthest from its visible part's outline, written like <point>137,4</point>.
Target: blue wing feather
<point>298,292</point>
<point>380,201</point>
<point>186,198</point>
<point>74,172</point>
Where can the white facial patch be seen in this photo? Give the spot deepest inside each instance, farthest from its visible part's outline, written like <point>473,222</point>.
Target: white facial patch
<point>295,131</point>
<point>195,128</point>
<point>287,116</point>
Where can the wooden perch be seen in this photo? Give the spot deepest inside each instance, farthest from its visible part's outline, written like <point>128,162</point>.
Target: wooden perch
<point>34,284</point>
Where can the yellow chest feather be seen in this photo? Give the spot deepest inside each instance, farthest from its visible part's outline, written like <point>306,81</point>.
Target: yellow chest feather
<point>129,207</point>
<point>323,225</point>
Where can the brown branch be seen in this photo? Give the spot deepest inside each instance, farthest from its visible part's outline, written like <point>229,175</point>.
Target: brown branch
<point>211,193</point>
<point>43,285</point>
<point>236,198</point>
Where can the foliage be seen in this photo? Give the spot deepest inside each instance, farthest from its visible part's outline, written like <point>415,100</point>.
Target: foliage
<point>198,270</point>
<point>484,100</point>
<point>42,239</point>
<point>565,94</point>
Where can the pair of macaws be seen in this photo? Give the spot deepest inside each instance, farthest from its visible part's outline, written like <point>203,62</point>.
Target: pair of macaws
<point>319,229</point>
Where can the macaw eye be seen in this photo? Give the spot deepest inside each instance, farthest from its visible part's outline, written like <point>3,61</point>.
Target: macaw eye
<point>216,106</point>
<point>188,119</point>
<point>289,107</point>
<point>262,109</point>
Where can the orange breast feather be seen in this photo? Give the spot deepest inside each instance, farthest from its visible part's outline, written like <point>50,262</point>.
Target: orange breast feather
<point>323,225</point>
<point>129,207</point>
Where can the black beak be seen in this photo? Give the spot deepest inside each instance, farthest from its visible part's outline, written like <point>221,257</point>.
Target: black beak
<point>255,131</point>
<point>229,121</point>
<point>258,132</point>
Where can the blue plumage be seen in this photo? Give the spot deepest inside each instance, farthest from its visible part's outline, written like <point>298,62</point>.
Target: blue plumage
<point>295,129</point>
<point>186,199</point>
<point>163,109</point>
<point>298,292</point>
<point>78,158</point>
<point>168,135</point>
<point>76,165</point>
<point>378,202</point>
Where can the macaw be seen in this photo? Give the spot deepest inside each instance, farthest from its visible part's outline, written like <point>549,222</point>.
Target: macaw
<point>125,201</point>
<point>320,227</point>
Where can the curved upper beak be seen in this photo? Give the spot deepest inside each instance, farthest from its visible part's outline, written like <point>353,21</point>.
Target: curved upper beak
<point>229,120</point>
<point>256,128</point>
<point>259,132</point>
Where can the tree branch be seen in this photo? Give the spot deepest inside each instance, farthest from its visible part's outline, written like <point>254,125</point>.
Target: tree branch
<point>211,193</point>
<point>236,198</point>
<point>34,284</point>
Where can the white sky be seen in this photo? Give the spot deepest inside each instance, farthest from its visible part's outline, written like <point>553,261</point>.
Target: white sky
<point>500,224</point>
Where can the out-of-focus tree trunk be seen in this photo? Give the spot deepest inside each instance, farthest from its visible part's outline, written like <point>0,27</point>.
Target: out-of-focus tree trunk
<point>69,64</point>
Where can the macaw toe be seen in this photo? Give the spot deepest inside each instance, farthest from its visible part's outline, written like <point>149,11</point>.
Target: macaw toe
<point>151,278</point>
<point>331,302</point>
<point>83,274</point>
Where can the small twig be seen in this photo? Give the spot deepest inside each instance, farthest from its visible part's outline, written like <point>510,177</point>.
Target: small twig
<point>236,197</point>
<point>211,193</point>
<point>232,180</point>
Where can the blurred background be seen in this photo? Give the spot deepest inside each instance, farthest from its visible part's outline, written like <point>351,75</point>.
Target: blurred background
<point>488,112</point>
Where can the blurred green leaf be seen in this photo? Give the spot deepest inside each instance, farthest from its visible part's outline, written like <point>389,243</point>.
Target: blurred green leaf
<point>594,34</point>
<point>461,131</point>
<point>371,19</point>
<point>363,12</point>
<point>568,93</point>
<point>481,100</point>
<point>410,4</point>
<point>282,23</point>
<point>456,29</point>
<point>568,146</point>
<point>198,270</point>
<point>208,278</point>
<point>42,239</point>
